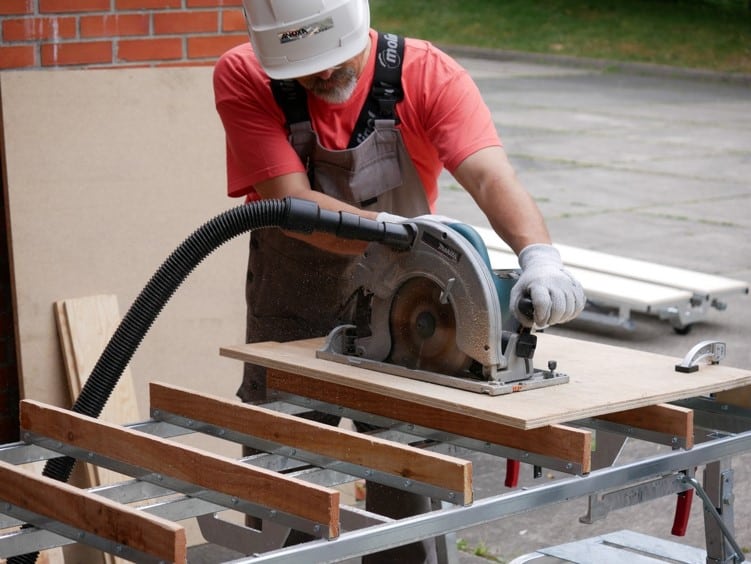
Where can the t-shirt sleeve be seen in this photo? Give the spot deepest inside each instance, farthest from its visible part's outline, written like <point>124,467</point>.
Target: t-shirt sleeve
<point>454,117</point>
<point>254,125</point>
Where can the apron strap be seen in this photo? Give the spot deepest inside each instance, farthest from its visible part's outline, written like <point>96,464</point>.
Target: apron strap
<point>385,92</point>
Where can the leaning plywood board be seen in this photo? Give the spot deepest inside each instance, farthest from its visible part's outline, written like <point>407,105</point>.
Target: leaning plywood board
<point>603,379</point>
<point>134,161</point>
<point>85,326</point>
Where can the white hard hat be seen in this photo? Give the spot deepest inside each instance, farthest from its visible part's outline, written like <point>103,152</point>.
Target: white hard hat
<point>294,38</point>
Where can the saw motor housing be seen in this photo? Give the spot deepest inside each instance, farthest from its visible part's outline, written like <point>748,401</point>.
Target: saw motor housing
<point>436,311</point>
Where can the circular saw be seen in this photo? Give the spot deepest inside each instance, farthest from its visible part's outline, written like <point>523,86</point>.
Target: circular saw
<point>436,311</point>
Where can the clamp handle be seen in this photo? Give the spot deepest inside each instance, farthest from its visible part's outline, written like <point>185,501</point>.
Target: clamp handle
<point>682,513</point>
<point>713,350</point>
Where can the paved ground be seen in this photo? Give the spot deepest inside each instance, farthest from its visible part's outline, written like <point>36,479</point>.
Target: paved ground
<point>647,167</point>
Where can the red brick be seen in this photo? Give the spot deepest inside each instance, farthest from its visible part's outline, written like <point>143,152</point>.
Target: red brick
<point>213,46</point>
<point>234,20</point>
<point>16,57</point>
<point>185,22</point>
<point>213,3</point>
<point>78,53</point>
<point>147,4</point>
<point>115,25</point>
<point>186,64</point>
<point>46,6</point>
<point>150,49</point>
<point>29,29</point>
<point>16,7</point>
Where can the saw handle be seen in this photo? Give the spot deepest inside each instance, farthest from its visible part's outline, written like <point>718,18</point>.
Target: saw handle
<point>527,307</point>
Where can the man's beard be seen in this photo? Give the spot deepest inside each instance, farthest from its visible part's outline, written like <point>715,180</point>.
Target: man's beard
<point>336,89</point>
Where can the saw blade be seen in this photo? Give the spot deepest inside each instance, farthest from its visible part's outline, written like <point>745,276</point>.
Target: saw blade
<point>423,330</point>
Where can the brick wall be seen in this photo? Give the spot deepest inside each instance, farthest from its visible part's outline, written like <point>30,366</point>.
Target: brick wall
<point>103,33</point>
<point>94,34</point>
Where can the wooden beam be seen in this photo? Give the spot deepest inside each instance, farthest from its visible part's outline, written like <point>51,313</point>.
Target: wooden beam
<point>94,514</point>
<point>557,441</point>
<point>210,471</point>
<point>393,458</point>
<point>662,418</point>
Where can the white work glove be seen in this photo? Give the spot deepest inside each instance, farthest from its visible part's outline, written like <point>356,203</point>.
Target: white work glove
<point>390,217</point>
<point>393,218</point>
<point>556,295</point>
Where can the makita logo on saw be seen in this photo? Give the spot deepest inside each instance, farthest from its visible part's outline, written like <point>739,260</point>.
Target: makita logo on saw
<point>389,57</point>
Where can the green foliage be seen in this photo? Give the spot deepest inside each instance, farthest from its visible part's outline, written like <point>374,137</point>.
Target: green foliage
<point>707,34</point>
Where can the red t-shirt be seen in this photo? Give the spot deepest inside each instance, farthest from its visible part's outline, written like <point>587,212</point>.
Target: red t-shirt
<point>443,117</point>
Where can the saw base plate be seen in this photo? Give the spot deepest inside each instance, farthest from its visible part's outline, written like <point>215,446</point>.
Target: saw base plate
<point>336,344</point>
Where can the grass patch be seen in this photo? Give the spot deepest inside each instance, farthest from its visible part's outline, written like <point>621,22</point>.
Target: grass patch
<point>684,33</point>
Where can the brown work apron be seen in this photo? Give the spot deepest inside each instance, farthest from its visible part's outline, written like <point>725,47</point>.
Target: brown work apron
<point>296,291</point>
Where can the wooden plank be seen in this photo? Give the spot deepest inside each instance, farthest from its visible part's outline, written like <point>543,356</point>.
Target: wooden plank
<point>661,418</point>
<point>393,458</point>
<point>77,508</point>
<point>740,397</point>
<point>600,286</point>
<point>189,464</point>
<point>85,326</point>
<point>603,379</point>
<point>681,278</point>
<point>557,441</point>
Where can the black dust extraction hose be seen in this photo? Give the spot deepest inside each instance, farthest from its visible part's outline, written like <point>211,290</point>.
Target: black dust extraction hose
<point>291,214</point>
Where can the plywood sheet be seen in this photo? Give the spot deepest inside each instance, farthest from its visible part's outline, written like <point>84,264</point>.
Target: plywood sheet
<point>106,173</point>
<point>603,379</point>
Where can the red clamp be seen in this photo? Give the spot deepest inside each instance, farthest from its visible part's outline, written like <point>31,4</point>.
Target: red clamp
<point>512,473</point>
<point>682,512</point>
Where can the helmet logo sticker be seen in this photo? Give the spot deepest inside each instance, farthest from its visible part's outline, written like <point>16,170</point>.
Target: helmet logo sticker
<point>389,57</point>
<point>306,31</point>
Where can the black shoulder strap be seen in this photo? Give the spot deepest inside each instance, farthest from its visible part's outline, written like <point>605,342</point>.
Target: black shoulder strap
<point>292,99</point>
<point>386,90</point>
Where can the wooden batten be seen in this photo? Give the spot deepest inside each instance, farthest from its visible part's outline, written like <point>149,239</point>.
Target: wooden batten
<point>393,458</point>
<point>557,441</point>
<point>77,508</point>
<point>210,471</point>
<point>661,418</point>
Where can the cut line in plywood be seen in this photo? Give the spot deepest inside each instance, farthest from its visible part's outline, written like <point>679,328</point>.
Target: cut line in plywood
<point>603,379</point>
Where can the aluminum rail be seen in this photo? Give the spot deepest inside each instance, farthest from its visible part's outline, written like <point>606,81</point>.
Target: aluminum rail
<point>379,537</point>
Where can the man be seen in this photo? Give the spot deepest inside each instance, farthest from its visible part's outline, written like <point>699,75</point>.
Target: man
<point>321,107</point>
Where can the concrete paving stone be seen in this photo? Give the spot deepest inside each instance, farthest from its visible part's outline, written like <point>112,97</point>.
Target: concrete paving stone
<point>646,167</point>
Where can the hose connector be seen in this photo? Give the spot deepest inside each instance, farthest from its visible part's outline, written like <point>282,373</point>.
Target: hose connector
<point>304,216</point>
